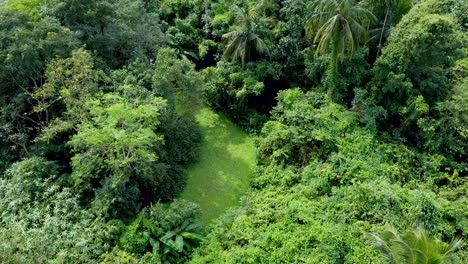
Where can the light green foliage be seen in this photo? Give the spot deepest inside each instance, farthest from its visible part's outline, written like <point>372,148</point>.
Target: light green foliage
<point>29,6</point>
<point>405,69</point>
<point>414,247</point>
<point>226,162</point>
<point>302,128</point>
<point>104,102</point>
<point>414,90</point>
<point>324,183</point>
<point>117,145</point>
<point>204,47</point>
<point>70,83</point>
<point>121,257</point>
<point>300,221</point>
<point>122,132</point>
<point>177,81</point>
<point>44,223</point>
<point>277,225</point>
<point>224,17</point>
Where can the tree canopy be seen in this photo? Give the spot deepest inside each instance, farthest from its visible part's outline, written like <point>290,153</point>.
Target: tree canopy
<point>341,124</point>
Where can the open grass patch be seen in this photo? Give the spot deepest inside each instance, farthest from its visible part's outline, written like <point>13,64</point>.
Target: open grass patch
<point>222,173</point>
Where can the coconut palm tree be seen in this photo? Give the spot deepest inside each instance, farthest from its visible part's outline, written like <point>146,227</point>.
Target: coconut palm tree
<point>245,42</point>
<point>337,26</point>
<point>414,247</point>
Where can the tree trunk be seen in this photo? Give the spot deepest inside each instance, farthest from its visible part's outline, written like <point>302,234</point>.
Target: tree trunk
<point>206,25</point>
<point>382,32</point>
<point>333,71</point>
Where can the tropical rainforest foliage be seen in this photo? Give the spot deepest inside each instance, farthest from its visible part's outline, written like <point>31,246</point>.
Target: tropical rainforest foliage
<point>358,108</point>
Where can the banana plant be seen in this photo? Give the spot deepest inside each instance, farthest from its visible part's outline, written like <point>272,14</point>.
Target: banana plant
<point>175,243</point>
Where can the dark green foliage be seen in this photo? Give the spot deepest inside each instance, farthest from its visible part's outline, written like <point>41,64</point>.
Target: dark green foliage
<point>181,138</point>
<point>245,43</point>
<point>389,13</point>
<point>116,30</point>
<point>184,25</point>
<point>131,33</point>
<point>446,132</point>
<point>181,134</point>
<point>407,83</point>
<point>26,48</point>
<point>353,73</point>
<point>176,79</point>
<point>291,41</point>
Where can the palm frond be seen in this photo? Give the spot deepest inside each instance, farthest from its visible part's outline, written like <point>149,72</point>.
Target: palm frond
<point>382,245</point>
<point>415,246</point>
<point>451,248</point>
<point>338,24</point>
<point>244,42</point>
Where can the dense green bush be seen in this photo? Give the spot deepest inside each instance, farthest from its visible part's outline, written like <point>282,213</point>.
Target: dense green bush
<point>27,46</point>
<point>237,90</point>
<point>98,101</point>
<point>344,183</point>
<point>116,147</point>
<point>303,125</point>
<point>43,222</point>
<point>116,30</point>
<point>408,83</point>
<point>164,233</point>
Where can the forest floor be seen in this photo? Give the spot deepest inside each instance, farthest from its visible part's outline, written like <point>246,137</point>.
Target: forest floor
<point>221,175</point>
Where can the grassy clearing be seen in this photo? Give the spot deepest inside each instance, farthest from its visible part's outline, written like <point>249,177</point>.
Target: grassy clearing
<point>222,173</point>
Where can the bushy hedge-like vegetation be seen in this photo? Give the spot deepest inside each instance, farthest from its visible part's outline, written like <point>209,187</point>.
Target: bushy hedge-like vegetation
<point>325,183</point>
<point>359,108</point>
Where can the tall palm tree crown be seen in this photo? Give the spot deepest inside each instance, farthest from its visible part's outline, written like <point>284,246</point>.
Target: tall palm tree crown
<point>244,42</point>
<point>337,26</point>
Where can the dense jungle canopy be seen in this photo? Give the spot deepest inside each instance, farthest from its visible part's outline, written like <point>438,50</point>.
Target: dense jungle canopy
<point>233,131</point>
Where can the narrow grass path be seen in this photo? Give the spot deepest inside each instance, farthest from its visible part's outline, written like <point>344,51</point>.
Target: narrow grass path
<point>222,173</point>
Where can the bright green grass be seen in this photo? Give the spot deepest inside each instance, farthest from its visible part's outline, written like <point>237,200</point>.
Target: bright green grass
<point>222,173</point>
